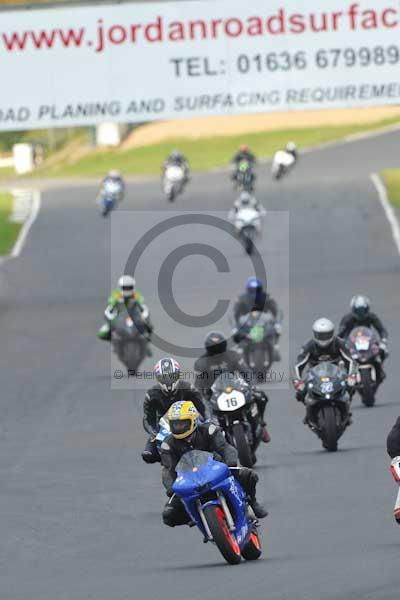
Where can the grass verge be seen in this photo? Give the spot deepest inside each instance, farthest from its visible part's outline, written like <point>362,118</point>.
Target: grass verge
<point>8,231</point>
<point>203,154</point>
<point>391,178</point>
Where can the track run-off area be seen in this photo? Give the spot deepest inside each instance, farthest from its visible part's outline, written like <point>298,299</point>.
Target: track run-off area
<point>80,513</point>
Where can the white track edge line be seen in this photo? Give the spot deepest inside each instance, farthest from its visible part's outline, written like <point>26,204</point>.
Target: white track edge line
<point>387,208</point>
<point>23,234</point>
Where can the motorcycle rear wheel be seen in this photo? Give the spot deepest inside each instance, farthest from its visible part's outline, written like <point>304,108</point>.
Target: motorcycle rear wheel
<point>242,446</point>
<point>223,538</point>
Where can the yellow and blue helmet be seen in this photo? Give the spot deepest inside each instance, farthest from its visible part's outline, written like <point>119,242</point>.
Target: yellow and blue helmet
<point>182,417</point>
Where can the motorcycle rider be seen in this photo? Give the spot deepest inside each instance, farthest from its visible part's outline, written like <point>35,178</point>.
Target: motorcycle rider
<point>176,158</point>
<point>323,347</point>
<point>256,298</point>
<point>187,434</point>
<point>113,176</point>
<point>246,200</point>
<point>217,360</point>
<point>361,315</point>
<point>243,153</point>
<point>126,297</point>
<point>169,388</point>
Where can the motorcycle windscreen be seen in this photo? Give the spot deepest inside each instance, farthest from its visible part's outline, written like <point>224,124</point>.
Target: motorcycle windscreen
<point>327,378</point>
<point>227,382</point>
<point>195,470</point>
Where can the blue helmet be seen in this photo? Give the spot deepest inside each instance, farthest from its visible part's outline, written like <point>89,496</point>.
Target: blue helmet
<point>253,286</point>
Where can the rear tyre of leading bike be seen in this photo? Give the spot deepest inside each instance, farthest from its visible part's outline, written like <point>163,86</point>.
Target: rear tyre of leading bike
<point>223,538</point>
<point>242,446</point>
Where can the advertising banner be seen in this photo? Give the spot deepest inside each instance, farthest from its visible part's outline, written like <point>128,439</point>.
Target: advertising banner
<point>137,62</point>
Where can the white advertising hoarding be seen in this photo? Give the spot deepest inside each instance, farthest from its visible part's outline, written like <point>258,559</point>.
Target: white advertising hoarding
<point>136,62</point>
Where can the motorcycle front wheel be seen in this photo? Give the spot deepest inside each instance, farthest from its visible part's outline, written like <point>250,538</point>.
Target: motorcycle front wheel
<point>242,445</point>
<point>223,538</point>
<point>132,356</point>
<point>328,425</point>
<point>367,388</point>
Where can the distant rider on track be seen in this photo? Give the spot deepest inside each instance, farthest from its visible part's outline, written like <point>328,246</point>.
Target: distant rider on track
<point>125,297</point>
<point>361,315</point>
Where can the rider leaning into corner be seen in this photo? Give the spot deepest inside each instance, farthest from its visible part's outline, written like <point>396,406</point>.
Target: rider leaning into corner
<point>159,398</point>
<point>176,158</point>
<point>187,434</point>
<point>324,346</point>
<point>256,298</point>
<point>216,360</point>
<point>361,315</point>
<point>125,297</point>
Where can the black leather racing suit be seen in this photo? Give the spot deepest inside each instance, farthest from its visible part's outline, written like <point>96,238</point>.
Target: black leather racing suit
<point>207,437</point>
<point>311,354</point>
<point>393,440</point>
<point>157,403</point>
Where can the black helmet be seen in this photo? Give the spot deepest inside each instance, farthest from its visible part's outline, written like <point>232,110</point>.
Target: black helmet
<point>215,343</point>
<point>360,306</point>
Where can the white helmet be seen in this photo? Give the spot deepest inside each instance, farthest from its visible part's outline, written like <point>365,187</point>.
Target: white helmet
<point>291,147</point>
<point>127,285</point>
<point>114,174</point>
<point>323,332</point>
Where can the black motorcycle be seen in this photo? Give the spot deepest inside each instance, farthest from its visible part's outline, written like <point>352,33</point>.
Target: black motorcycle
<point>128,340</point>
<point>363,346</point>
<point>257,331</point>
<point>328,403</point>
<point>237,413</point>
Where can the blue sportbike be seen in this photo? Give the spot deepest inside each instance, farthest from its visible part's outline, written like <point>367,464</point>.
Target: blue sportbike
<point>216,503</point>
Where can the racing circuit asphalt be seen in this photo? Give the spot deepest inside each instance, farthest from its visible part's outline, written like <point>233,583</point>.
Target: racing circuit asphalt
<point>80,512</point>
